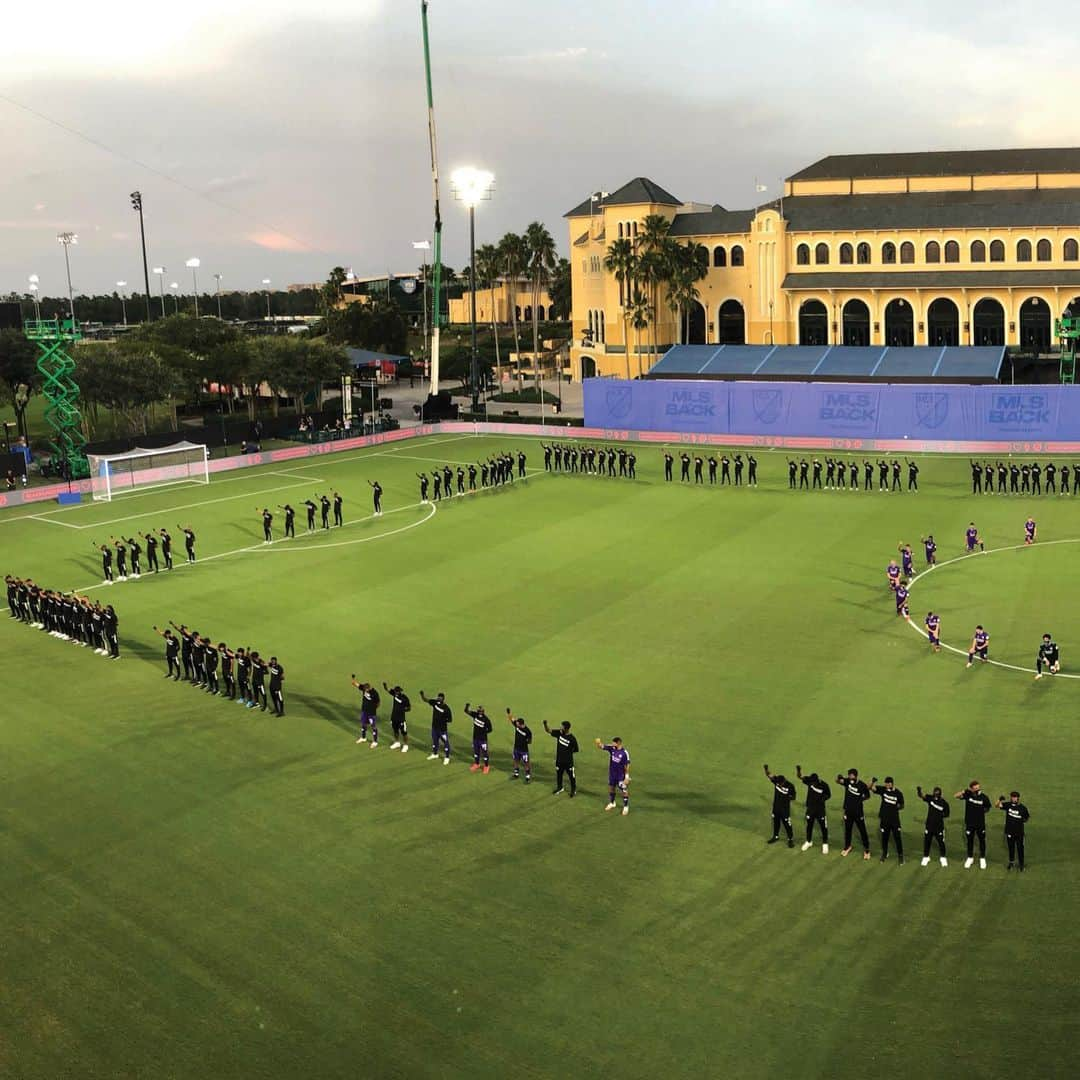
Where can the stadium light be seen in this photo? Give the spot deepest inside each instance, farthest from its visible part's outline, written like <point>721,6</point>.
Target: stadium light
<point>136,205</point>
<point>266,285</point>
<point>34,279</point>
<point>217,290</point>
<point>175,286</point>
<point>67,239</point>
<point>160,271</point>
<point>193,264</point>
<point>123,303</point>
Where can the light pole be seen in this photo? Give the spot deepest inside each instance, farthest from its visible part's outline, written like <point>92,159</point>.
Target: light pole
<point>160,271</point>
<point>123,302</point>
<point>266,283</point>
<point>34,279</point>
<point>193,264</point>
<point>425,247</point>
<point>136,204</point>
<point>217,290</point>
<point>175,286</point>
<point>472,186</point>
<point>67,239</point>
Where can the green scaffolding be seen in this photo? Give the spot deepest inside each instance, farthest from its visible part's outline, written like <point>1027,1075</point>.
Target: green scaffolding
<point>1068,332</point>
<point>57,369</point>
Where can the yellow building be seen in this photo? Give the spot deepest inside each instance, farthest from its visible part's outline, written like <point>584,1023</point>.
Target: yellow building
<point>499,300</point>
<point>943,248</point>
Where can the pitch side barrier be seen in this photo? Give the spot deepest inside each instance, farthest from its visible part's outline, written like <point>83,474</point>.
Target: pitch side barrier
<point>884,417</point>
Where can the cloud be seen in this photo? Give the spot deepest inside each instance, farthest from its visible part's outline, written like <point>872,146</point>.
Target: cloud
<point>275,241</point>
<point>221,184</point>
<point>574,52</point>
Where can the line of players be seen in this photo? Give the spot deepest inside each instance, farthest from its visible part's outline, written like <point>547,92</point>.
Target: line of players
<point>244,673</point>
<point>1023,479</point>
<point>493,472</point>
<point>67,616</point>
<point>1047,656</point>
<point>566,744</point>
<point>843,475</point>
<point>725,463</point>
<point>129,545</point>
<point>594,460</point>
<point>856,793</point>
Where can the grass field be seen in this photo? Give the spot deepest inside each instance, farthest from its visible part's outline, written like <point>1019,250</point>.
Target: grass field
<point>191,889</point>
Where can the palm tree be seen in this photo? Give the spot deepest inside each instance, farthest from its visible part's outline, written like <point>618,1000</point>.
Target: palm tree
<point>689,264</point>
<point>487,273</point>
<point>621,261</point>
<point>542,257</point>
<point>655,263</point>
<point>513,261</point>
<point>641,313</point>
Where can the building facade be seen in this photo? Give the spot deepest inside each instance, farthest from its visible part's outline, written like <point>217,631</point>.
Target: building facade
<point>496,304</point>
<point>940,248</point>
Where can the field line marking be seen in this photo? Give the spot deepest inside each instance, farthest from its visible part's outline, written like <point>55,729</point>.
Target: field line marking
<point>306,479</point>
<point>359,540</point>
<point>51,521</point>
<point>960,558</point>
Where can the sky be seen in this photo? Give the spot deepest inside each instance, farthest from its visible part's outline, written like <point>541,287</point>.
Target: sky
<point>278,139</point>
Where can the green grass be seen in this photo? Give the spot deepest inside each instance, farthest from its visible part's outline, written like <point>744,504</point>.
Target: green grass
<point>191,889</point>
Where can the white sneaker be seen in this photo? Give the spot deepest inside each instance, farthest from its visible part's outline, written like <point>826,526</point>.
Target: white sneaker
<point>433,757</point>
<point>625,811</point>
<point>824,849</point>
<point>925,860</point>
<point>944,861</point>
<point>982,864</point>
<point>446,761</point>
<point>610,806</point>
<point>374,746</point>
<point>967,862</point>
<point>363,738</point>
<point>405,748</point>
<point>395,745</point>
<point>806,846</point>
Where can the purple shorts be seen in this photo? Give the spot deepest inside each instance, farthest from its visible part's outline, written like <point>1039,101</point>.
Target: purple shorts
<point>614,779</point>
<point>521,755</point>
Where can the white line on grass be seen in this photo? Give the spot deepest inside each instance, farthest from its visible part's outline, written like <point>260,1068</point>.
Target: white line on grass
<point>961,558</point>
<point>51,521</point>
<point>347,543</point>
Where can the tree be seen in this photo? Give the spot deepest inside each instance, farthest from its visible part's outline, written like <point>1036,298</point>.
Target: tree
<point>514,256</point>
<point>689,264</point>
<point>487,273</point>
<point>640,317</point>
<point>541,261</point>
<point>560,290</point>
<point>331,290</point>
<point>133,378</point>
<point>655,259</point>
<point>18,367</point>
<point>621,261</point>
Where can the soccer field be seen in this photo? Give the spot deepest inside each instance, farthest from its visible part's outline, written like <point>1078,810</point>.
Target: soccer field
<point>194,889</point>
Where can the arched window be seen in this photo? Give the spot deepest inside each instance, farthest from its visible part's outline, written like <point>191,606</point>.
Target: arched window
<point>847,255</point>
<point>1043,251</point>
<point>978,251</point>
<point>540,312</point>
<point>821,254</point>
<point>592,327</point>
<point>888,252</point>
<point>517,311</point>
<point>719,256</point>
<point>802,255</point>
<point>952,251</point>
<point>528,312</point>
<point>603,331</point>
<point>907,252</point>
<point>1071,251</point>
<point>933,252</point>
<point>620,230</point>
<point>736,256</point>
<point>633,225</point>
<point>813,323</point>
<point>731,324</point>
<point>862,254</point>
<point>1023,251</point>
<point>997,251</point>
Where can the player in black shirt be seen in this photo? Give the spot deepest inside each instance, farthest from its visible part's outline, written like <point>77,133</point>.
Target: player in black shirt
<point>185,651</point>
<point>422,477</point>
<point>258,677</point>
<point>751,476</point>
<point>892,802</point>
<point>566,746</point>
<point>309,506</point>
<point>712,468</point>
<point>121,557</point>
<point>472,477</point>
<point>376,495</point>
<point>792,470</point>
<point>151,551</point>
<point>290,520</point>
<point>912,476</point>
<point>110,624</point>
<point>267,521</point>
<point>547,456</point>
<point>106,562</point>
<point>521,464</point>
<point>684,471</point>
<point>1016,815</point>
<point>441,715</point>
<point>228,658</point>
<point>189,542</point>
<point>883,474</point>
<point>738,470</point>
<point>817,474</point>
<point>324,511</point>
<point>783,794</point>
<point>522,740</point>
<point>436,478</point>
<point>1048,655</point>
<point>668,459</point>
<point>855,794</point>
<point>818,794</point>
<point>172,652</point>
<point>976,803</point>
<point>481,730</point>
<point>937,810</point>
<point>830,472</point>
<point>698,462</point>
<point>243,679</point>
<point>976,477</point>
<point>210,661</point>
<point>338,519</point>
<point>135,551</point>
<point>398,724</point>
<point>725,470</point>
<point>277,678</point>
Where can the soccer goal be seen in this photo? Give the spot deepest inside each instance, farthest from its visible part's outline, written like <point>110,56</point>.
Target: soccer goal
<point>118,474</point>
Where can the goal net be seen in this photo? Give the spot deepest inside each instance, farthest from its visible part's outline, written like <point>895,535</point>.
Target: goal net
<point>117,474</point>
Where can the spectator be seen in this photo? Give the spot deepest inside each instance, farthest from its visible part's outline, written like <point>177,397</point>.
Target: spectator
<point>11,479</point>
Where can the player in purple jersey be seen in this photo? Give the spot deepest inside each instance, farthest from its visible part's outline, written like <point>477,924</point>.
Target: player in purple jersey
<point>933,630</point>
<point>522,741</point>
<point>1030,529</point>
<point>892,574</point>
<point>971,538</point>
<point>980,646</point>
<point>907,560</point>
<point>481,731</point>
<point>618,776</point>
<point>901,595</point>
<point>930,547</point>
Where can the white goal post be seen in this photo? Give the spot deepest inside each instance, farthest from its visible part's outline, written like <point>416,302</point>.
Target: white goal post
<point>117,474</point>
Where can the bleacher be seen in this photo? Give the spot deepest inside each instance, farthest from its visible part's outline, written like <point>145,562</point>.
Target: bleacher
<point>846,363</point>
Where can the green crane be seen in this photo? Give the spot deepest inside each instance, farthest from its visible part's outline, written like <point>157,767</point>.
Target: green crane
<point>437,267</point>
<point>57,369</point>
<point>1067,329</point>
